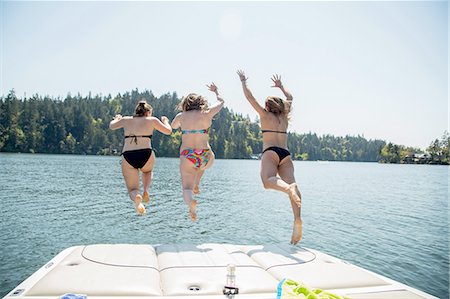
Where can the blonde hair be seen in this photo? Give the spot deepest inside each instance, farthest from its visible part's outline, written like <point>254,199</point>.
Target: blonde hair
<point>278,106</point>
<point>142,108</point>
<point>193,101</point>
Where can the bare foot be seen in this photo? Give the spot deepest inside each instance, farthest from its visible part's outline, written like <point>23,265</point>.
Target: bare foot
<point>295,195</point>
<point>192,211</point>
<point>196,190</point>
<point>297,231</point>
<point>145,197</point>
<point>140,209</point>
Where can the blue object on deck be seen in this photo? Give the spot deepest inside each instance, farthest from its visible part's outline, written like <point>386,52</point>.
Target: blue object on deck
<point>73,296</point>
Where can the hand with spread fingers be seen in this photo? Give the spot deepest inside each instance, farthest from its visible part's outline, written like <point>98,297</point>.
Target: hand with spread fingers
<point>212,87</point>
<point>242,76</point>
<point>277,81</point>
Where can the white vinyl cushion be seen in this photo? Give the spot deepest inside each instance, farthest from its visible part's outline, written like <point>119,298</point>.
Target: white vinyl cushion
<point>269,256</point>
<point>205,267</point>
<point>182,270</point>
<point>76,274</point>
<point>315,270</point>
<point>182,255</point>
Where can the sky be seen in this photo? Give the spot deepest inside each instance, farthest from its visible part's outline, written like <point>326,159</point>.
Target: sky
<point>374,68</point>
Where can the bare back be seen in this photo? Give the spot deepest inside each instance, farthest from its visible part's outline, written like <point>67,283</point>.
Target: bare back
<point>195,120</point>
<point>272,122</point>
<point>139,126</point>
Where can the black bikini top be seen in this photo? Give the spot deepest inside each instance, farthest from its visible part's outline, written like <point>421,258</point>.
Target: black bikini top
<point>135,137</point>
<point>271,131</point>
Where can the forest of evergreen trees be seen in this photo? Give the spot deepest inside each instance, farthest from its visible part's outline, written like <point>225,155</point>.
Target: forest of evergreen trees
<point>79,125</point>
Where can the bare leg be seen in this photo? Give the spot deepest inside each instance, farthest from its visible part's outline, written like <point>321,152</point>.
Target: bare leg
<point>146,181</point>
<point>201,171</point>
<point>286,171</point>
<point>140,209</point>
<point>131,176</point>
<point>147,176</point>
<point>188,175</point>
<point>188,198</point>
<point>269,170</point>
<point>198,177</point>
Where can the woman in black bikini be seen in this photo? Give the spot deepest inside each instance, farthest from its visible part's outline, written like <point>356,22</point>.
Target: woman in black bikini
<point>137,149</point>
<point>277,169</point>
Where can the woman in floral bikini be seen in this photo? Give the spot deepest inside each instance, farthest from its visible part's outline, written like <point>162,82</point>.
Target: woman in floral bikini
<point>195,152</point>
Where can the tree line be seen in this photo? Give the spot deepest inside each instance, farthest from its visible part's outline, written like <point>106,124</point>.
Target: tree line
<point>436,153</point>
<point>80,125</point>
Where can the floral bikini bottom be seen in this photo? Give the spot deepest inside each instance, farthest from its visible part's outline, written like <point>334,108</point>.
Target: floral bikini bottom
<point>199,157</point>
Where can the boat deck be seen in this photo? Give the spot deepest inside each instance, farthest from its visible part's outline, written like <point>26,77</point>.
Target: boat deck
<point>178,271</point>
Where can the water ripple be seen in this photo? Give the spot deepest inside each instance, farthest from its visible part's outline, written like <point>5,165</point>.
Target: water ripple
<point>391,219</point>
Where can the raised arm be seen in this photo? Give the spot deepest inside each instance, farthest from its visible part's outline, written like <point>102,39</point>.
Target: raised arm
<point>248,94</point>
<point>116,123</point>
<point>214,109</point>
<point>162,125</point>
<point>176,122</point>
<point>277,83</point>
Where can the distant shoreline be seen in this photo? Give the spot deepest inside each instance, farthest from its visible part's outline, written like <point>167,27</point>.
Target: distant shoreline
<point>297,160</point>
<point>80,125</point>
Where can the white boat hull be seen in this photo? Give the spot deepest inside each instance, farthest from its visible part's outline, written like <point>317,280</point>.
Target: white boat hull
<point>177,271</point>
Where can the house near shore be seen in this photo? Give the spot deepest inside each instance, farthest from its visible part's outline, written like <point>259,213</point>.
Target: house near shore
<point>422,158</point>
<point>413,158</point>
<point>425,158</point>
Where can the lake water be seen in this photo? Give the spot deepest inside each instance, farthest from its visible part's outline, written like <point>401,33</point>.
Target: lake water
<point>391,219</point>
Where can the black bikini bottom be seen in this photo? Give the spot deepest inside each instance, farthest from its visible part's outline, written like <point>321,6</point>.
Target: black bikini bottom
<point>138,158</point>
<point>281,152</point>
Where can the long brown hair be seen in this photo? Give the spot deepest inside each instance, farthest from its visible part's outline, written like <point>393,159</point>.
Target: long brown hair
<point>142,108</point>
<point>193,101</point>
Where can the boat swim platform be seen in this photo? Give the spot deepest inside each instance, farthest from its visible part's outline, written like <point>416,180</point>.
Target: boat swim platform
<point>183,270</point>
